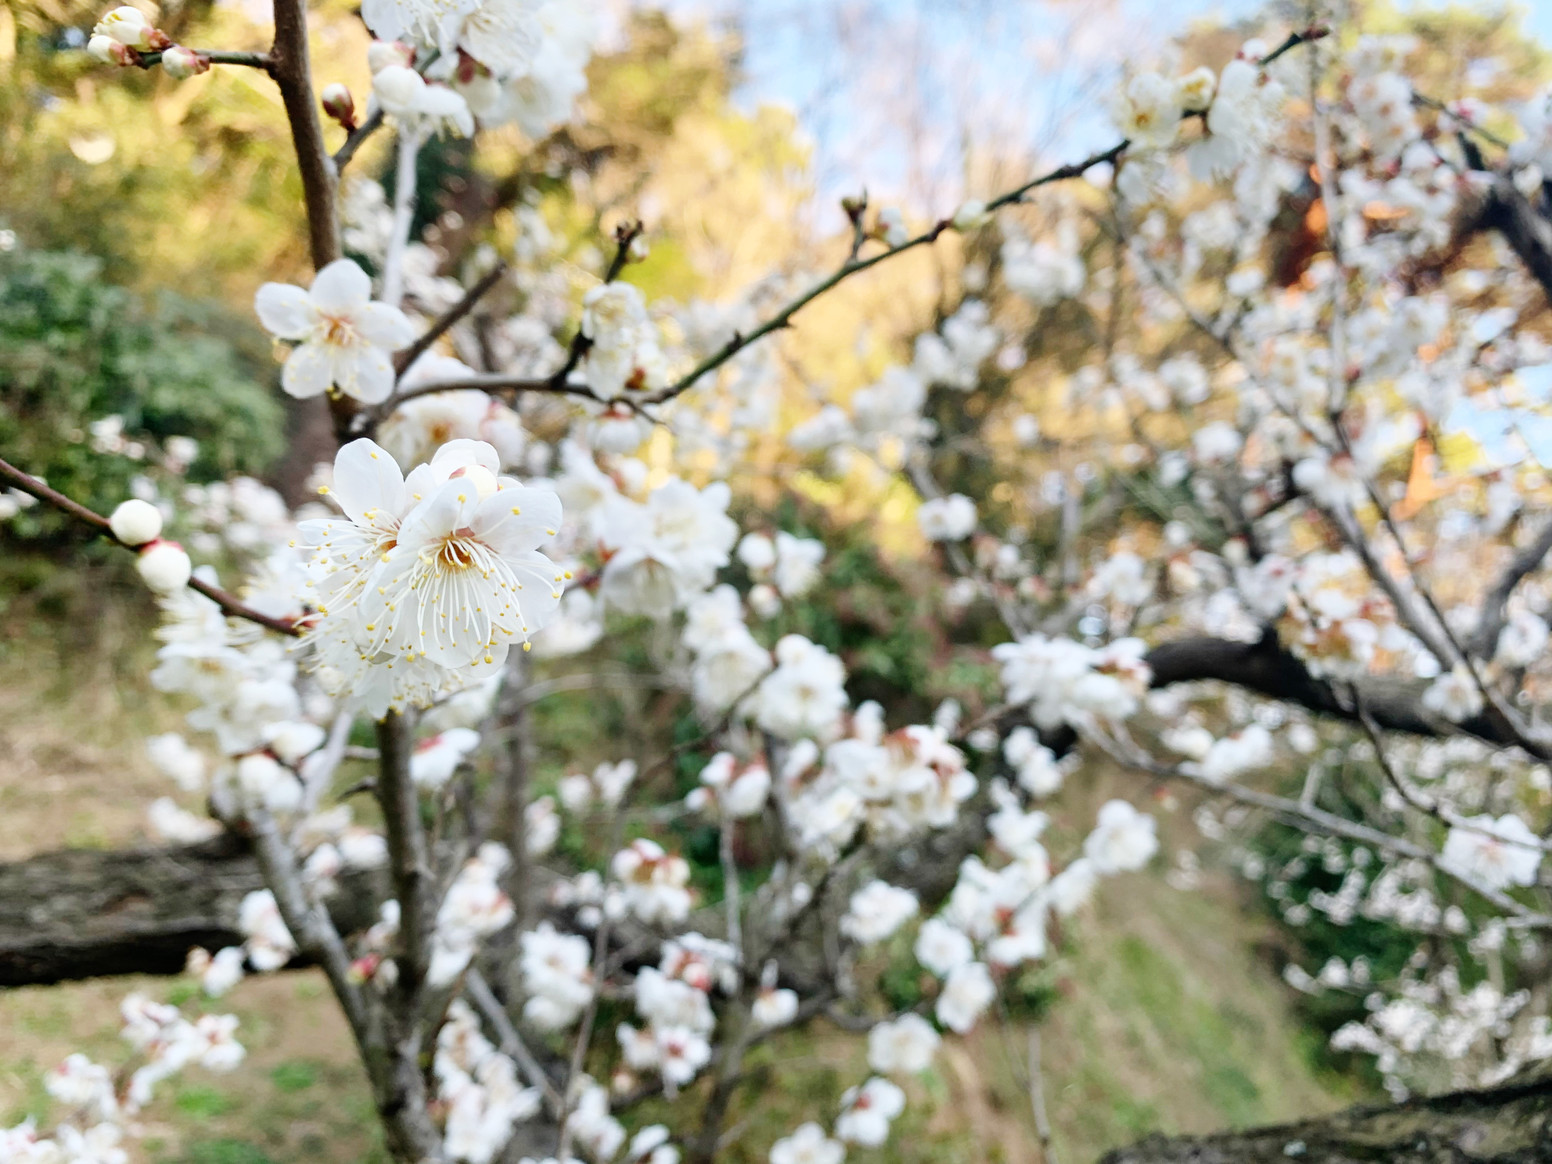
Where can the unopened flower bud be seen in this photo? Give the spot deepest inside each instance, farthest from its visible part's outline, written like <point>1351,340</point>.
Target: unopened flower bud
<point>481,478</point>
<point>179,63</point>
<point>971,215</point>
<point>891,227</point>
<point>1195,90</point>
<point>136,522</point>
<point>164,567</point>
<point>128,26</point>
<point>639,249</point>
<point>339,104</point>
<point>104,49</point>
<point>385,53</point>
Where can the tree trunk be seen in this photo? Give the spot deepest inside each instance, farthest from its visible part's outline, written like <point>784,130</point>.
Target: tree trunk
<point>87,914</point>
<point>1507,1124</point>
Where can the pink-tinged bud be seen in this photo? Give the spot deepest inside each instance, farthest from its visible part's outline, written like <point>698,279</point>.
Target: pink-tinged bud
<point>180,62</point>
<point>482,479</point>
<point>385,53</point>
<point>158,40</point>
<point>164,567</point>
<point>339,104</point>
<point>136,522</point>
<point>102,48</point>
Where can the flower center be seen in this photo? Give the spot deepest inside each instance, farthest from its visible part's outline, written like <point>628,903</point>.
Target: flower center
<point>338,331</point>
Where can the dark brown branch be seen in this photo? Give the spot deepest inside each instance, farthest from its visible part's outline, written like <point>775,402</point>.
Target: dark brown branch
<point>31,485</point>
<point>447,321</point>
<point>1266,668</point>
<point>1484,641</point>
<point>1507,1124</point>
<point>291,68</point>
<point>1528,233</point>
<point>357,139</point>
<point>87,914</point>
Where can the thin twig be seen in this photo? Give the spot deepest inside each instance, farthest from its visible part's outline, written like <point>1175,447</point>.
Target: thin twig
<point>512,1044</point>
<point>231,605</point>
<point>442,325</point>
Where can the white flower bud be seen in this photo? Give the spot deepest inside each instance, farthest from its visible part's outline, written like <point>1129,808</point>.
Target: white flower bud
<point>128,26</point>
<point>102,48</point>
<point>481,478</point>
<point>386,53</point>
<point>639,249</point>
<point>971,215</point>
<point>398,89</point>
<point>136,522</point>
<point>339,104</point>
<point>1194,91</point>
<point>180,63</point>
<point>164,566</point>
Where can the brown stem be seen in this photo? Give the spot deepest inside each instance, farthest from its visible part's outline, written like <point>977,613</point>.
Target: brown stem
<point>33,487</point>
<point>407,856</point>
<point>291,67</point>
<point>445,323</point>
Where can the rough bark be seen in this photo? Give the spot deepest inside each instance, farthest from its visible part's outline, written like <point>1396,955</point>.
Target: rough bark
<point>87,914</point>
<point>1508,1124</point>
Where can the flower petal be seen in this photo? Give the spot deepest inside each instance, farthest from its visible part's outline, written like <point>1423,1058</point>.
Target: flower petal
<point>308,371</point>
<point>512,521</point>
<point>285,310</point>
<point>341,288</point>
<point>386,327</point>
<point>366,478</point>
<point>458,453</point>
<point>365,373</point>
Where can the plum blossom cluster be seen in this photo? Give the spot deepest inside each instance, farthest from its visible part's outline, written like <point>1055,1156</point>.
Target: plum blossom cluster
<point>102,1103</point>
<point>426,581</point>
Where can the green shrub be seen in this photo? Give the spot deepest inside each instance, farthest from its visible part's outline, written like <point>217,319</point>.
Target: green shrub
<point>75,350</point>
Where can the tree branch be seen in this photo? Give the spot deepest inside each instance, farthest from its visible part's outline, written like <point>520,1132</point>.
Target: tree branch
<point>1507,1124</point>
<point>32,486</point>
<point>291,68</point>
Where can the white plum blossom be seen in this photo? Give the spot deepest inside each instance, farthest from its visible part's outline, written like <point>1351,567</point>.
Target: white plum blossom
<point>435,758</point>
<point>876,911</point>
<point>904,1046</point>
<point>1497,854</point>
<point>967,992</point>
<point>947,519</point>
<point>942,947</point>
<point>805,694</point>
<point>1123,839</point>
<point>557,976</point>
<point>343,339</point>
<point>808,1145</point>
<point>867,1111</point>
<point>1454,694</point>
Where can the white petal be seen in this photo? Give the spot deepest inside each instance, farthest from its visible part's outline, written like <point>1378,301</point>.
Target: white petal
<point>285,310</point>
<point>387,327</point>
<point>308,371</point>
<point>383,18</point>
<point>514,520</point>
<point>456,454</point>
<point>365,373</point>
<point>341,288</point>
<point>367,478</point>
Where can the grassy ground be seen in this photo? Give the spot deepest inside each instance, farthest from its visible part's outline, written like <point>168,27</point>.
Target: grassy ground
<point>1167,1017</point>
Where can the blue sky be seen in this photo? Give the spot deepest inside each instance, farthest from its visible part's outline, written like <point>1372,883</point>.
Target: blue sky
<point>891,90</point>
